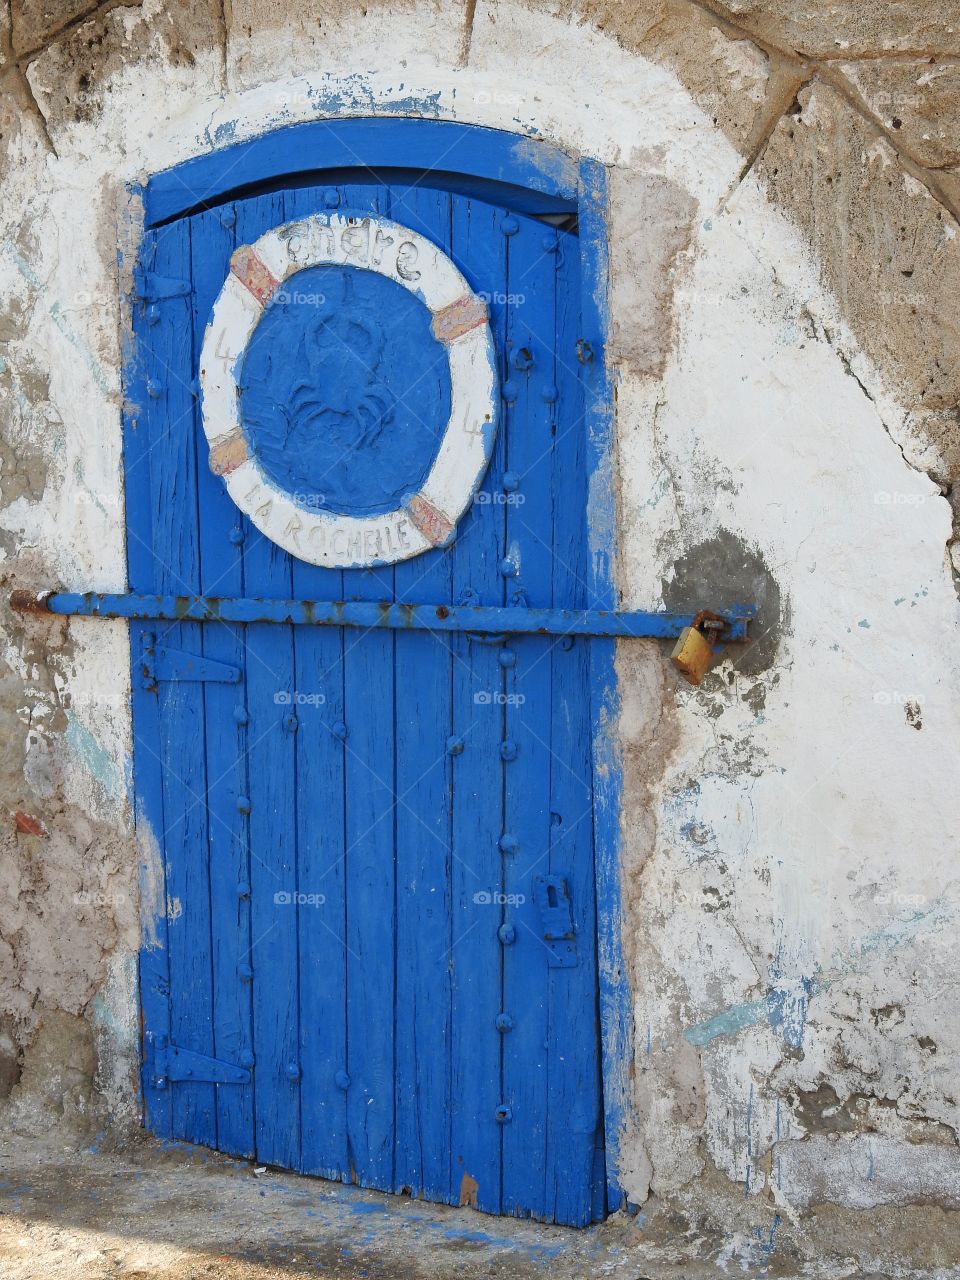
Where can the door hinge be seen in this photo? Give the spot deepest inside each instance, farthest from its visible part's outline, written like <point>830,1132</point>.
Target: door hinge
<point>160,662</point>
<point>149,287</point>
<point>552,900</point>
<point>175,1065</point>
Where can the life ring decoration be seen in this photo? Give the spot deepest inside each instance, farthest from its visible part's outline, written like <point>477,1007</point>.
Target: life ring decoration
<point>318,369</point>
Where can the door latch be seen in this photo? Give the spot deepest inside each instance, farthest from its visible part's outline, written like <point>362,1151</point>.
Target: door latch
<point>552,900</point>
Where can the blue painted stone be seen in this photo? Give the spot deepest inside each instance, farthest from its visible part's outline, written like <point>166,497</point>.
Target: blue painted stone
<point>344,391</point>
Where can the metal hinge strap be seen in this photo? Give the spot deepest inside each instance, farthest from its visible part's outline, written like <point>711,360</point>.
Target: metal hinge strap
<point>177,1065</point>
<point>160,662</point>
<point>149,287</point>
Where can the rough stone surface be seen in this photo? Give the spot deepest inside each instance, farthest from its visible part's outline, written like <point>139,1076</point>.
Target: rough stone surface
<point>71,77</point>
<point>888,250</point>
<point>917,101</point>
<point>727,77</point>
<point>857,29</point>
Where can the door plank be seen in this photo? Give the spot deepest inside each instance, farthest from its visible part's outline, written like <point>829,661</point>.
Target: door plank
<point>273,822</point>
<point>221,574</point>
<point>320,847</point>
<point>143,425</point>
<point>369,718</point>
<point>176,545</point>
<point>479,249</point>
<point>527,1050</point>
<point>424,777</point>
<point>573,1076</point>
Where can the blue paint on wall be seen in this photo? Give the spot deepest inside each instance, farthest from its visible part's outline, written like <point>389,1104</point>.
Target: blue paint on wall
<point>783,1008</point>
<point>344,391</point>
<point>98,761</point>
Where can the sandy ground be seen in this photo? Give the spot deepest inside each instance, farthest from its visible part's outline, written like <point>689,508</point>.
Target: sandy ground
<point>171,1212</point>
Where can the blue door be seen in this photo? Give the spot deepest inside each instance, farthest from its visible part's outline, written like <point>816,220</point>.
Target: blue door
<point>375,958</point>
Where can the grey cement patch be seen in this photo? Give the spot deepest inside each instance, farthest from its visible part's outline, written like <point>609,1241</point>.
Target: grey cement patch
<point>731,572</point>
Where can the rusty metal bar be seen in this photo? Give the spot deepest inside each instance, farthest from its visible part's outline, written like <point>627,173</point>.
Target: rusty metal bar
<point>483,619</point>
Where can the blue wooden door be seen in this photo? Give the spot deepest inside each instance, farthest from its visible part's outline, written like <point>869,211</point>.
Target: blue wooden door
<point>377,957</point>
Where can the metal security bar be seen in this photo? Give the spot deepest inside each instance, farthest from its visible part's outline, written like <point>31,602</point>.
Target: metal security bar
<point>482,619</point>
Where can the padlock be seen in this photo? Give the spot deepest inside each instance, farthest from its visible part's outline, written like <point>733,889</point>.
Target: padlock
<point>694,650</point>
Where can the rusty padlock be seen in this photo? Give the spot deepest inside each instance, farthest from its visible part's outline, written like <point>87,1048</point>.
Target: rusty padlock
<point>694,650</point>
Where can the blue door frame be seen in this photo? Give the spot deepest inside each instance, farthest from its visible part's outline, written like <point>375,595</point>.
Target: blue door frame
<point>531,177</point>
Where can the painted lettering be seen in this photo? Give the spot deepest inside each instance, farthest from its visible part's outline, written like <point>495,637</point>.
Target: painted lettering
<point>317,536</point>
<point>221,343</point>
<point>292,531</point>
<point>355,240</point>
<point>407,256</point>
<point>372,546</point>
<point>381,241</point>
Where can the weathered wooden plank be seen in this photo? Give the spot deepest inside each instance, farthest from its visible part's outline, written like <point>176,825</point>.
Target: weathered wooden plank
<point>221,569</point>
<point>273,823</point>
<point>424,777</point>
<point>573,1069</point>
<point>529,764</point>
<point>369,721</point>
<point>615,999</point>
<point>479,248</point>
<point>142,423</point>
<point>320,850</point>
<point>176,546</point>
